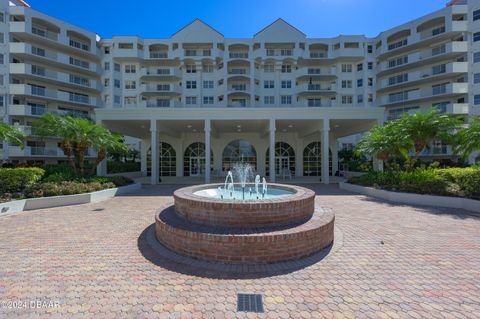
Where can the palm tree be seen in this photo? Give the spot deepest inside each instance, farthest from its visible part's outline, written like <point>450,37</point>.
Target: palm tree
<point>384,143</point>
<point>63,127</point>
<point>468,139</point>
<point>104,142</point>
<point>422,128</point>
<point>11,134</point>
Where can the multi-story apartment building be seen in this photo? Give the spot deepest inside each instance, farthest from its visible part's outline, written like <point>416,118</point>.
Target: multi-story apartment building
<point>201,102</point>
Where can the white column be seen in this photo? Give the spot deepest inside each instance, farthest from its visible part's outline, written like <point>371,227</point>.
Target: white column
<point>154,146</point>
<point>208,167</point>
<point>334,148</point>
<point>272,150</point>
<point>102,166</point>
<point>325,144</point>
<point>143,156</point>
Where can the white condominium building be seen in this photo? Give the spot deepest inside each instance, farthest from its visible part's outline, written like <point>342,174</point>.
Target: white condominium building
<point>201,102</point>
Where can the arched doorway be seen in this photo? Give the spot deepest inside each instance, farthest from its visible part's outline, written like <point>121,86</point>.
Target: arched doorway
<point>284,159</point>
<point>312,159</point>
<point>194,159</point>
<point>167,160</point>
<point>238,151</point>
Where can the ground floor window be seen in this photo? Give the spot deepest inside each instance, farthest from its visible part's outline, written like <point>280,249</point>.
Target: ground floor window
<point>312,160</point>
<point>284,159</point>
<point>238,151</point>
<point>167,160</point>
<point>194,159</point>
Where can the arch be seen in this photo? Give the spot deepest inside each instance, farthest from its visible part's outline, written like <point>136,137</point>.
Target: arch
<point>238,151</point>
<point>157,47</point>
<point>312,159</point>
<point>194,159</point>
<point>78,36</point>
<point>399,35</point>
<point>431,24</point>
<point>46,24</point>
<point>285,155</point>
<point>167,157</point>
<point>318,47</point>
<point>238,46</point>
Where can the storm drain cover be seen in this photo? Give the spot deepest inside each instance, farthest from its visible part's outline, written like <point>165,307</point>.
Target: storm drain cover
<point>250,302</point>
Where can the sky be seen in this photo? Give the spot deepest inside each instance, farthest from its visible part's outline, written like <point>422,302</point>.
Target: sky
<point>236,19</point>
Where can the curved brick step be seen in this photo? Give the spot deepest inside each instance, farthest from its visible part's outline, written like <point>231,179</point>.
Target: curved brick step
<point>245,245</point>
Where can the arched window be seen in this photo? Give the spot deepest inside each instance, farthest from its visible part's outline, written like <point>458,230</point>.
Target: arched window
<point>167,160</point>
<point>238,151</point>
<point>312,159</point>
<point>284,159</point>
<point>194,159</point>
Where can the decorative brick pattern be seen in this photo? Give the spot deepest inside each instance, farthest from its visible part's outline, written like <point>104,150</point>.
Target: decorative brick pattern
<point>263,245</point>
<point>279,211</point>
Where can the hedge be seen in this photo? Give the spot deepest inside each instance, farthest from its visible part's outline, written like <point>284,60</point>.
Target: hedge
<point>463,182</point>
<point>18,179</point>
<point>66,188</point>
<point>122,167</point>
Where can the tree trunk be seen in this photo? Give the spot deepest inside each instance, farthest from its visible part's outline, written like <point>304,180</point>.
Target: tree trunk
<point>81,149</point>
<point>68,151</point>
<point>101,155</point>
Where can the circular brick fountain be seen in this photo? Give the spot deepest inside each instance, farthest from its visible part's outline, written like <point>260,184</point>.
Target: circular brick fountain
<point>282,228</point>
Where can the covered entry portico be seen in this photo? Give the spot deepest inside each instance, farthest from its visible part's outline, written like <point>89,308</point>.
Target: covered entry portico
<point>206,142</point>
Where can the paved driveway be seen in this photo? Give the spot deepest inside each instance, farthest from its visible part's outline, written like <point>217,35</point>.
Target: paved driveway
<point>94,261</point>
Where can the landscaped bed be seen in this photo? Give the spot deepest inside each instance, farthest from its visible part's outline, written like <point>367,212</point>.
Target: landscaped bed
<point>20,183</point>
<point>460,182</point>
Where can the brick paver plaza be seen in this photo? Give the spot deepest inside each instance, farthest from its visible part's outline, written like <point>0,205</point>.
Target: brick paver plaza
<point>94,261</point>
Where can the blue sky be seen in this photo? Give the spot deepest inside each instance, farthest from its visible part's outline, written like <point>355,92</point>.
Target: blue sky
<point>236,19</point>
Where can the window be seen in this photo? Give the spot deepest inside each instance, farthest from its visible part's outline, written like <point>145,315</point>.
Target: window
<point>398,61</point>
<point>286,99</point>
<point>360,98</point>
<point>2,17</point>
<point>190,68</point>
<point>2,38</point>
<point>346,84</point>
<point>208,100</point>
<point>286,68</point>
<point>397,113</point>
<point>116,67</point>
<point>269,100</point>
<point>207,68</point>
<point>116,99</point>
<point>370,48</point>
<point>438,69</point>
<point>398,79</point>
<point>2,81</point>
<point>206,52</point>
<point>438,31</point>
<point>79,45</point>
<point>347,99</point>
<point>116,83</point>
<point>77,62</point>
<point>190,52</point>
<point>359,83</point>
<point>106,83</point>
<point>476,57</point>
<point>476,99</point>
<point>370,81</point>
<point>38,90</point>
<point>270,52</point>
<point>191,84</point>
<point>476,15</point>
<point>360,67</point>
<point>476,36</point>
<point>397,44</point>
<point>1,101</point>
<point>191,100</point>
<point>286,84</point>
<point>370,97</point>
<point>106,50</point>
<point>130,85</point>
<point>312,102</point>
<point>106,66</point>
<point>398,97</point>
<point>476,78</point>
<point>346,68</point>
<point>129,100</point>
<point>162,103</point>
<point>438,50</point>
<point>208,84</point>
<point>370,65</point>
<point>1,59</point>
<point>163,87</point>
<point>79,80</point>
<point>130,68</point>
<point>37,70</point>
<point>269,68</point>
<point>286,52</point>
<point>268,84</point>
<point>439,89</point>
<point>41,52</point>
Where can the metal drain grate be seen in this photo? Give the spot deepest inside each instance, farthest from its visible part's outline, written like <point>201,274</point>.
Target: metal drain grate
<point>250,302</point>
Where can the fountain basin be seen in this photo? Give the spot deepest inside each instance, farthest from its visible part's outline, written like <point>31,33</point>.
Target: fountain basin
<point>287,205</point>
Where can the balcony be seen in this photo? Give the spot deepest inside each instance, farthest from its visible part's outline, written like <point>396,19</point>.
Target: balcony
<point>56,78</point>
<point>429,56</point>
<point>49,94</point>
<point>48,57</point>
<point>159,104</point>
<point>27,110</point>
<point>315,89</point>
<point>448,91</point>
<point>41,151</point>
<point>452,69</point>
<point>160,74</point>
<point>238,55</point>
<point>161,89</point>
<point>307,73</point>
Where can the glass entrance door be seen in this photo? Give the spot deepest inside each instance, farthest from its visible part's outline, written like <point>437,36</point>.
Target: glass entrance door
<point>282,165</point>
<point>197,166</point>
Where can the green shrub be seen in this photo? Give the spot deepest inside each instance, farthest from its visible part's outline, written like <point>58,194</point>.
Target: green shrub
<point>116,180</point>
<point>66,188</point>
<point>122,167</point>
<point>17,179</point>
